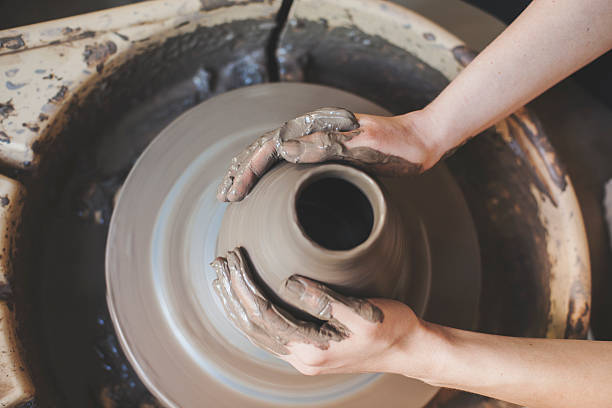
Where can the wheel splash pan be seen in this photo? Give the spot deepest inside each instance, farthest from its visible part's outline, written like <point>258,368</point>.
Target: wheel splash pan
<point>98,116</point>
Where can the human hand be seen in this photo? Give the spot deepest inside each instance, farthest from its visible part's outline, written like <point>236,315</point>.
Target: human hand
<point>381,145</point>
<point>356,335</point>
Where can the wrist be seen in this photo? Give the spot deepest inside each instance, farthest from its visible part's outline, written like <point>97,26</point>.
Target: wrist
<point>425,354</point>
<point>431,136</point>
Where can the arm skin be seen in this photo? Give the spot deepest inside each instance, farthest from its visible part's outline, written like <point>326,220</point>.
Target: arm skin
<point>549,41</point>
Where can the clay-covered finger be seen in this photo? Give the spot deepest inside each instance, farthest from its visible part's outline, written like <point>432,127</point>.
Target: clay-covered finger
<point>323,119</point>
<point>247,297</point>
<point>308,296</point>
<point>287,329</point>
<point>317,147</point>
<point>279,324</point>
<point>255,165</point>
<point>318,300</point>
<point>229,312</point>
<point>237,313</point>
<point>247,167</point>
<point>232,307</point>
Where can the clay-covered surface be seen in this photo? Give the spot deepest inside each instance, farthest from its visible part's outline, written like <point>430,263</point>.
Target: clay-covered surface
<point>74,354</point>
<point>71,195</point>
<point>504,193</point>
<point>578,126</point>
<point>166,243</point>
<point>512,179</point>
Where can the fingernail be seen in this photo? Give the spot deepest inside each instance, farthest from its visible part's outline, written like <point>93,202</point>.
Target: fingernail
<point>295,287</point>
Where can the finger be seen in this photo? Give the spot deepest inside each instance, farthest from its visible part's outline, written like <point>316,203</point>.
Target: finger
<point>277,322</point>
<point>237,313</point>
<point>260,158</point>
<point>317,147</point>
<point>247,297</point>
<point>231,305</point>
<point>259,310</point>
<point>247,167</point>
<point>308,296</point>
<point>320,301</point>
<point>323,119</point>
<point>239,257</point>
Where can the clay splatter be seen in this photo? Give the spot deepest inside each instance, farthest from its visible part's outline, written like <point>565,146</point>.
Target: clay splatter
<point>32,126</point>
<point>97,54</point>
<point>12,87</point>
<point>463,55</point>
<point>60,95</point>
<point>6,109</point>
<point>12,43</point>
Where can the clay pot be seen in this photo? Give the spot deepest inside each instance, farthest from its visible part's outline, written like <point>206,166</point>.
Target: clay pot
<point>330,222</point>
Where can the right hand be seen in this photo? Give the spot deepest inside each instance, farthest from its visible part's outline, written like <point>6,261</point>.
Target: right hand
<point>377,144</point>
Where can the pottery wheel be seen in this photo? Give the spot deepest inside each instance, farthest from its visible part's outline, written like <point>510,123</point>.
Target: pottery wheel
<point>163,236</point>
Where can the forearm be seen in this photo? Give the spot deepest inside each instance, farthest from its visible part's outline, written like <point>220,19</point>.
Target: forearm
<point>531,372</point>
<point>547,42</point>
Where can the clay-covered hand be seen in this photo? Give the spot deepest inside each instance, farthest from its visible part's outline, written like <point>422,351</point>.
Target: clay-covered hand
<point>377,144</point>
<point>354,335</point>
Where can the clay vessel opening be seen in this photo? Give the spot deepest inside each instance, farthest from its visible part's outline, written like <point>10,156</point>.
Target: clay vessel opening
<point>334,213</point>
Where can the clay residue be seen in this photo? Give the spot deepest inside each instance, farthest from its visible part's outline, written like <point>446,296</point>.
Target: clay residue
<point>524,129</point>
<point>5,291</point>
<point>104,135</point>
<point>352,60</point>
<point>73,34</point>
<point>207,5</point>
<point>317,300</point>
<point>6,109</point>
<point>534,132</point>
<point>97,54</point>
<point>11,86</point>
<point>497,186</point>
<point>122,36</point>
<point>464,55</point>
<point>31,126</point>
<point>12,43</point>
<point>60,95</point>
<point>314,137</point>
<point>579,311</point>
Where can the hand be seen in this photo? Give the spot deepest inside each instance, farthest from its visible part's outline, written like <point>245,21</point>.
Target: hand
<point>356,335</point>
<point>377,144</point>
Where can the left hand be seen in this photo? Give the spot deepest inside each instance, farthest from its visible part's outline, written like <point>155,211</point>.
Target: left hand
<point>357,335</point>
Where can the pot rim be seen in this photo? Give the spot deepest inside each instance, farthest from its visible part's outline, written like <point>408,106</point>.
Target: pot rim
<point>358,178</point>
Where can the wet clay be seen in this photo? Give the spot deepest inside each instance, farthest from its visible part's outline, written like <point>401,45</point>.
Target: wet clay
<point>314,137</point>
<point>104,134</point>
<point>318,299</point>
<point>292,224</point>
<point>270,326</point>
<point>165,231</point>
